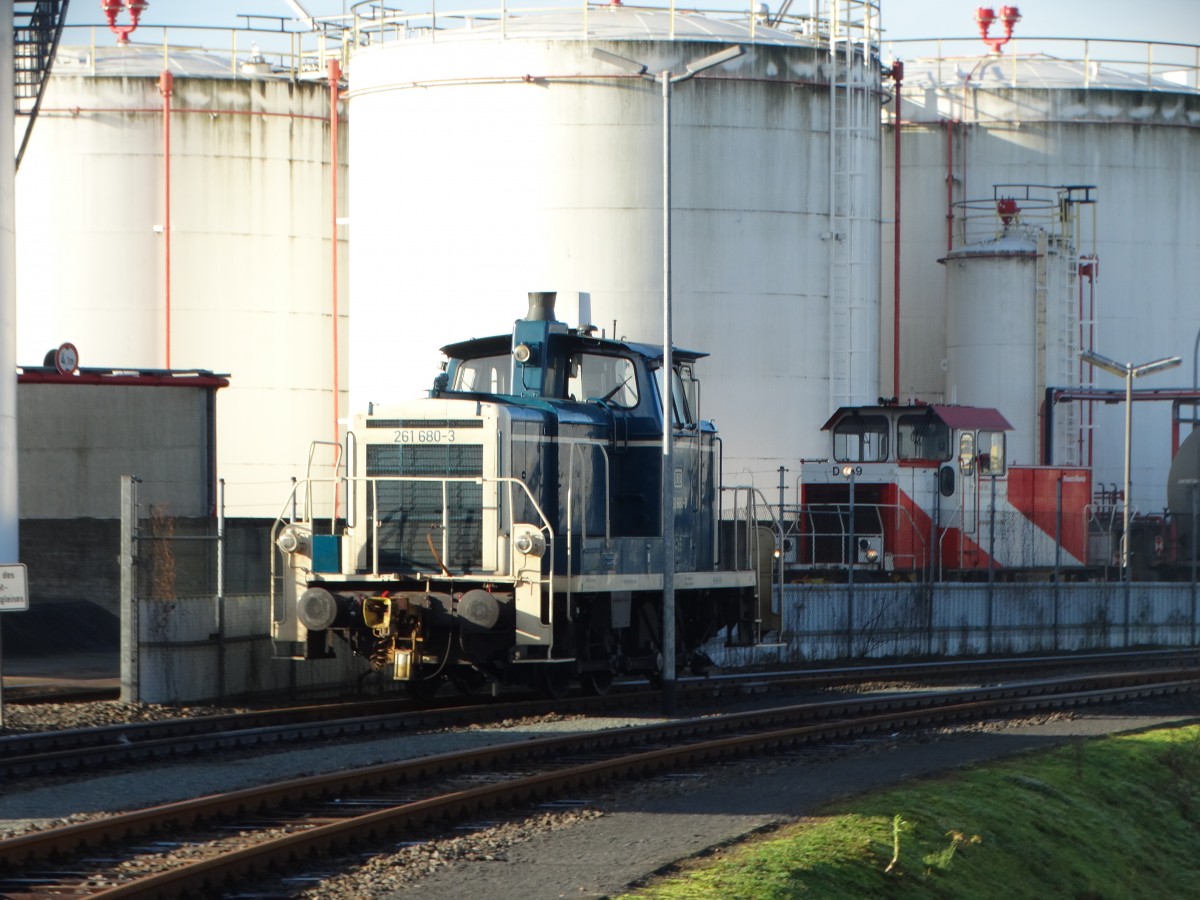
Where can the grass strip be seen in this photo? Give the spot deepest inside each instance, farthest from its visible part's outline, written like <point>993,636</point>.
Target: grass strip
<point>1115,817</point>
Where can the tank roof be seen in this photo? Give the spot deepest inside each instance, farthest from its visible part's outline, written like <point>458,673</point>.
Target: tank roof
<point>1032,71</point>
<point>1017,241</point>
<point>146,61</point>
<point>617,23</point>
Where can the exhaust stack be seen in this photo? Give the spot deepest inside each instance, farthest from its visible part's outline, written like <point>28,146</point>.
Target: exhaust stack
<point>541,306</point>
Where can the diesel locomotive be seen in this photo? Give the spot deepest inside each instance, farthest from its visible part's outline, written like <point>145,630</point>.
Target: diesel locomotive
<point>927,491</point>
<point>508,528</point>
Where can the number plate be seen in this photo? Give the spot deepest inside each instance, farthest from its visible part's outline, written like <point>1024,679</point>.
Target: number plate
<point>424,436</point>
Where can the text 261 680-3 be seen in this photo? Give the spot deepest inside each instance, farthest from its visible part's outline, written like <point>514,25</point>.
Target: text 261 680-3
<point>424,436</point>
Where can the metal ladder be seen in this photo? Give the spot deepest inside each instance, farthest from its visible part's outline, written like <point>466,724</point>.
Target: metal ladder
<point>851,101</point>
<point>37,28</point>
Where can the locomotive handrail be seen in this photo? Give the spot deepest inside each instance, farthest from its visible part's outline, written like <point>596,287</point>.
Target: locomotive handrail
<point>372,482</point>
<point>809,511</point>
<point>945,529</point>
<point>843,511</point>
<point>308,478</point>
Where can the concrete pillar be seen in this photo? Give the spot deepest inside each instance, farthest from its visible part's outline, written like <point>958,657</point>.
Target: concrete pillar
<point>8,302</point>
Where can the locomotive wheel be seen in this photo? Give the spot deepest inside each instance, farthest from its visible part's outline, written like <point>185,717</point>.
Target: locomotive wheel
<point>596,683</point>
<point>554,682</point>
<point>469,685</point>
<point>424,688</point>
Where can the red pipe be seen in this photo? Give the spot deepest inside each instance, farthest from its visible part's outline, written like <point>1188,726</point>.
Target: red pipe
<point>949,185</point>
<point>262,113</point>
<point>898,79</point>
<point>1087,314</point>
<point>335,77</point>
<point>165,84</point>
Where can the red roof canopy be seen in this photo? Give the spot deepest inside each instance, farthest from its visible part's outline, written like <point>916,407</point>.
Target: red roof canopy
<point>968,417</point>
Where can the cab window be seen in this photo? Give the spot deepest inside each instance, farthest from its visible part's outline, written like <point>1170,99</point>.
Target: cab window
<point>485,375</point>
<point>611,379</point>
<point>922,437</point>
<point>991,453</point>
<point>682,395</point>
<point>861,439</point>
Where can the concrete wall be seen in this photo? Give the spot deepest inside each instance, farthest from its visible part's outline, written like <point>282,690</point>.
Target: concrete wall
<point>185,657</point>
<point>78,439</point>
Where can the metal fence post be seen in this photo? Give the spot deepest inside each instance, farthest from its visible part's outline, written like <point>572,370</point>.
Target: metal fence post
<point>220,599</point>
<point>130,686</point>
<point>991,573</point>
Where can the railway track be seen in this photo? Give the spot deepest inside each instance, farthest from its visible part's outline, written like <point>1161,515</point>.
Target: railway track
<point>227,838</point>
<point>98,748</point>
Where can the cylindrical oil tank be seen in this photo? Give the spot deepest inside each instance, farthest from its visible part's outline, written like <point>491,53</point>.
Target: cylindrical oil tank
<point>499,157</point>
<point>244,169</point>
<point>1011,321</point>
<point>1077,117</point>
<point>8,310</point>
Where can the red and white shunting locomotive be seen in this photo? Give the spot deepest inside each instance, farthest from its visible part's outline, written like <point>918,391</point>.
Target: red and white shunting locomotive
<point>925,491</point>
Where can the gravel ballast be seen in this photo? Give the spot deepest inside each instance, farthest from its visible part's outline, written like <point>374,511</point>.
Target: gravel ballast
<point>587,846</point>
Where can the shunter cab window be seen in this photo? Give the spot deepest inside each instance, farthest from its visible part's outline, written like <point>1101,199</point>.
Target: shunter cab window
<point>486,375</point>
<point>612,379</point>
<point>922,437</point>
<point>991,453</point>
<point>861,439</point>
<point>683,395</point>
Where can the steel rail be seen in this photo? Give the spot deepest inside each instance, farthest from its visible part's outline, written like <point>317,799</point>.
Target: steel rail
<point>113,745</point>
<point>344,834</point>
<point>712,737</point>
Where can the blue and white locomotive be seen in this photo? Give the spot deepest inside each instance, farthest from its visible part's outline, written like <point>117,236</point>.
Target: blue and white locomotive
<point>508,528</point>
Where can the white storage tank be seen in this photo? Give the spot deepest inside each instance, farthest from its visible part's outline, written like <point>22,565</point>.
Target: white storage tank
<point>250,291</point>
<point>1012,328</point>
<point>8,332</point>
<point>1078,117</point>
<point>503,155</point>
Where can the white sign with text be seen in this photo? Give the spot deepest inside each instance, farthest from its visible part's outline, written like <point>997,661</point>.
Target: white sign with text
<point>14,588</point>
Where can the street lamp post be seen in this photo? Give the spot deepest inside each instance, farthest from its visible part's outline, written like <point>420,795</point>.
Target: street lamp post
<point>849,472</point>
<point>668,81</point>
<point>1128,371</point>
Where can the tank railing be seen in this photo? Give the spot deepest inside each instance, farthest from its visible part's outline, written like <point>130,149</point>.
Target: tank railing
<point>1036,207</point>
<point>1151,65</point>
<point>376,22</point>
<point>252,52</point>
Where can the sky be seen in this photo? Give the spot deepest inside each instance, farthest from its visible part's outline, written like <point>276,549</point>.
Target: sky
<point>1144,20</point>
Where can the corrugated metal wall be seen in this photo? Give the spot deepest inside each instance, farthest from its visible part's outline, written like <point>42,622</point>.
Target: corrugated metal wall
<point>826,622</point>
